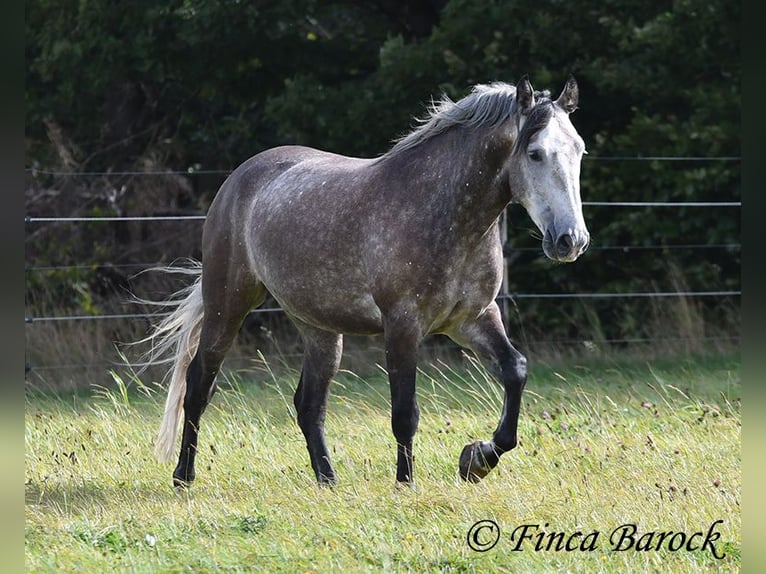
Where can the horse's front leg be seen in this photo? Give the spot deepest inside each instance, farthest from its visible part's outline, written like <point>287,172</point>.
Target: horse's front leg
<point>402,340</point>
<point>486,336</point>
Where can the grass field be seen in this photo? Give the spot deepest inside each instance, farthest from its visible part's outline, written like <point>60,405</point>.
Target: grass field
<point>655,444</point>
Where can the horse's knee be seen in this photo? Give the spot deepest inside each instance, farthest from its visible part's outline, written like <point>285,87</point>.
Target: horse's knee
<point>515,369</point>
<point>521,367</point>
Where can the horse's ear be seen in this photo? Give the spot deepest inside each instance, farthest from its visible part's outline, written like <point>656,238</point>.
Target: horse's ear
<point>569,96</point>
<point>525,95</point>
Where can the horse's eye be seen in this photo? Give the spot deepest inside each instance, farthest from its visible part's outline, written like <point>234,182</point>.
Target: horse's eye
<point>535,155</point>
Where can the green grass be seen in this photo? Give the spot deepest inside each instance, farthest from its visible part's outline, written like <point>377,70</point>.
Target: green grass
<point>655,444</point>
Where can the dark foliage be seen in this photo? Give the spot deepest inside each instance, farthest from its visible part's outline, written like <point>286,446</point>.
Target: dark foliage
<point>192,86</point>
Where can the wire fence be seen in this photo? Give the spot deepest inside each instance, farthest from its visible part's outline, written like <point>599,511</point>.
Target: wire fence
<point>503,297</point>
<point>202,217</point>
<point>192,170</point>
<point>379,352</point>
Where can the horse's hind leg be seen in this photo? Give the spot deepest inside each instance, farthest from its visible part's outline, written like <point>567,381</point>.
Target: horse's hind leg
<point>321,359</point>
<point>227,300</point>
<point>486,336</point>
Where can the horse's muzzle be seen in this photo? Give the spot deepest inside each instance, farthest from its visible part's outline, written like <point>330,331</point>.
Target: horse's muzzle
<point>566,247</point>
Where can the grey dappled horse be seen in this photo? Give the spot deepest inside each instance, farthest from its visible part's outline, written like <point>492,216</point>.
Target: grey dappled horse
<point>405,245</point>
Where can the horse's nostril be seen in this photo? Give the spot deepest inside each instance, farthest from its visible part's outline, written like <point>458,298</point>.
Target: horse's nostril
<point>564,244</point>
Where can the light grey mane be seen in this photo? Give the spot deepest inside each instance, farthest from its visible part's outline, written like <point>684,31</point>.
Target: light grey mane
<point>488,105</point>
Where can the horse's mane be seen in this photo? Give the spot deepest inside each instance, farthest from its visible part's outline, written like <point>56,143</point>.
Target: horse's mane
<point>487,106</point>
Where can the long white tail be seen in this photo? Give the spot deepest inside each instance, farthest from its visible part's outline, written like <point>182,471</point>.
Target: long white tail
<point>175,340</point>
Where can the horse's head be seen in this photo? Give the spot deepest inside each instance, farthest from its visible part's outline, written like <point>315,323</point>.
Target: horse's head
<point>545,169</point>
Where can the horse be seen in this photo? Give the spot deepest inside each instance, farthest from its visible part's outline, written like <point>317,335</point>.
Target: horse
<point>405,244</point>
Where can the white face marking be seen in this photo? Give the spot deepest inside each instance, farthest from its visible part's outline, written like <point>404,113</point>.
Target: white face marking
<point>549,171</point>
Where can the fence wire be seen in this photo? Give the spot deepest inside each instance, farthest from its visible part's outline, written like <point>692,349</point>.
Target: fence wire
<point>190,171</point>
<point>425,349</point>
<point>591,248</point>
<point>78,219</point>
<point>501,297</point>
<point>34,171</point>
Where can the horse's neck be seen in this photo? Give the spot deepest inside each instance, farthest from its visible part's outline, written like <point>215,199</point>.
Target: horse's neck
<point>471,186</point>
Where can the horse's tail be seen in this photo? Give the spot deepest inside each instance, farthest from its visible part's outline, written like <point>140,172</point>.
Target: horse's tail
<point>175,340</point>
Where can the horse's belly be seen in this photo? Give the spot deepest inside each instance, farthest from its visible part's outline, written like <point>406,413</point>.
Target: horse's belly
<point>324,292</point>
<point>341,311</point>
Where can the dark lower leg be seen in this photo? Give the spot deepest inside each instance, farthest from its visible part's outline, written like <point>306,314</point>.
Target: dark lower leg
<point>486,336</point>
<point>405,415</point>
<point>514,379</point>
<point>222,317</point>
<point>322,353</point>
<point>480,457</point>
<point>401,360</point>
<point>404,461</point>
<point>200,387</point>
<point>311,416</point>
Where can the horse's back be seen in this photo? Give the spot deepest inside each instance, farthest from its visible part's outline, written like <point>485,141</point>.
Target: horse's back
<point>268,165</point>
<point>275,182</point>
<point>289,180</point>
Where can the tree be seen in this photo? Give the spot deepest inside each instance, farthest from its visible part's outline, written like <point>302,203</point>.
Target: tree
<point>192,84</point>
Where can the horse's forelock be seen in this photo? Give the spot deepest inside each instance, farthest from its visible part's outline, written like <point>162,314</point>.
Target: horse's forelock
<point>536,120</point>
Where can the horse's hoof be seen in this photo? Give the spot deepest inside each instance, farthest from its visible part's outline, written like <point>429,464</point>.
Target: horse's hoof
<point>327,481</point>
<point>476,460</point>
<point>181,483</point>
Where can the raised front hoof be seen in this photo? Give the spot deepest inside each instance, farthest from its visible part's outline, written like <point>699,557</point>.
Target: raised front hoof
<point>476,460</point>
